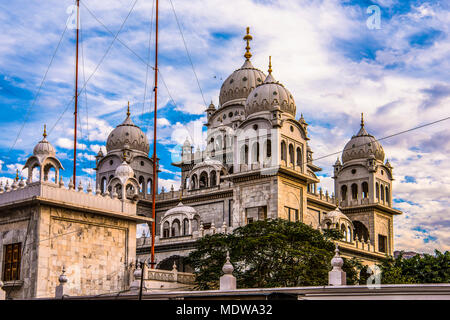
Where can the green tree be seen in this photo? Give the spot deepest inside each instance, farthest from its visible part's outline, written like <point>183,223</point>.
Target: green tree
<point>418,269</point>
<point>268,253</point>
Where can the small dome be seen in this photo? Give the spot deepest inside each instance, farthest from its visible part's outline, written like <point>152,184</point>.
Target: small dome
<point>208,162</point>
<point>127,135</point>
<point>181,209</point>
<point>362,146</point>
<point>124,172</point>
<point>336,216</point>
<point>44,148</point>
<point>270,95</point>
<point>240,83</point>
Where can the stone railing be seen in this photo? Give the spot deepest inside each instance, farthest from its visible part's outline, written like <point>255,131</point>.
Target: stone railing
<point>363,201</point>
<point>169,276</point>
<point>20,191</point>
<point>194,236</point>
<point>366,246</point>
<point>323,196</point>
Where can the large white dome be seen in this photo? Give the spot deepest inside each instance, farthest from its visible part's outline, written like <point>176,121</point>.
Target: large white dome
<point>236,88</point>
<point>362,146</point>
<point>127,135</point>
<point>269,95</point>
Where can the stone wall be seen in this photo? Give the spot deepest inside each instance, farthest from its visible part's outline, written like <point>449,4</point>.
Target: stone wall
<point>13,229</point>
<point>95,251</point>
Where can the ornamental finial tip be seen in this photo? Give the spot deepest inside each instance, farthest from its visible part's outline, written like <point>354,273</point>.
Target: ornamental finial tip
<point>270,65</point>
<point>248,38</point>
<point>128,109</point>
<point>362,119</point>
<point>45,131</point>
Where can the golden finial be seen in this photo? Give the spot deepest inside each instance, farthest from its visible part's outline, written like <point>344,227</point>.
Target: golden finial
<point>45,131</point>
<point>270,65</point>
<point>128,109</point>
<point>362,119</point>
<point>337,202</point>
<point>17,174</point>
<point>248,38</point>
<point>124,155</point>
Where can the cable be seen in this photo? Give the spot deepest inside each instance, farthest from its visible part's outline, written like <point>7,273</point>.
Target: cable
<point>96,68</point>
<point>132,51</point>
<point>386,137</point>
<point>148,59</point>
<point>187,52</point>
<point>38,91</point>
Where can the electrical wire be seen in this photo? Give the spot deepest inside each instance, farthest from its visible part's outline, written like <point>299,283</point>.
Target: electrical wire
<point>384,138</point>
<point>148,59</point>
<point>96,68</point>
<point>187,52</point>
<point>27,113</point>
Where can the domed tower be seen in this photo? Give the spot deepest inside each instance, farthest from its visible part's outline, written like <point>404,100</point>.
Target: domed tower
<point>363,183</point>
<point>127,141</point>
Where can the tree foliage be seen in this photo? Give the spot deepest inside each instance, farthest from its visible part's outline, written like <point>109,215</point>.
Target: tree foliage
<point>268,253</point>
<point>418,269</point>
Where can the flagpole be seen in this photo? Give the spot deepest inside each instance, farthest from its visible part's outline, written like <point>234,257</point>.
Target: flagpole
<point>154,146</point>
<point>76,102</point>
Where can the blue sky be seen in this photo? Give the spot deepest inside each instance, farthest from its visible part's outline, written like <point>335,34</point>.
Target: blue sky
<point>322,51</point>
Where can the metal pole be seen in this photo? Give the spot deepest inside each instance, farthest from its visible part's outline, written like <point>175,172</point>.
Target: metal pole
<point>142,279</point>
<point>76,103</point>
<point>154,145</point>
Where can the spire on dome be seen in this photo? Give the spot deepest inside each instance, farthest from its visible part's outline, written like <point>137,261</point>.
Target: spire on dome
<point>362,131</point>
<point>362,119</point>
<point>45,131</point>
<point>128,109</point>
<point>248,38</point>
<point>270,65</point>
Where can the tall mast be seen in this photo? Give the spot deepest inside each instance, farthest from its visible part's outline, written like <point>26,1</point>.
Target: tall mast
<point>76,102</point>
<point>154,145</point>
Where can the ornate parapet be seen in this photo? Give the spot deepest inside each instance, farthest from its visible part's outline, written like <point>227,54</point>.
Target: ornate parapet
<point>57,194</point>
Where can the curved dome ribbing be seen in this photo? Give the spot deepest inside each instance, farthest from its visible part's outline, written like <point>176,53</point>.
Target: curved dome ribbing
<point>240,83</point>
<point>127,135</point>
<point>269,95</point>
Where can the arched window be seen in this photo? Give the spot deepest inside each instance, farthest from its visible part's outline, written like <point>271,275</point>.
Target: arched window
<point>283,151</point>
<point>203,182</point>
<point>129,191</point>
<point>185,227</point>
<point>218,143</point>
<point>361,232</point>
<point>175,228</point>
<point>291,154</point>
<point>354,191</point>
<point>349,234</point>
<point>195,223</point>
<point>119,191</point>
<point>35,173</point>
<point>299,156</point>
<point>344,232</point>
<point>387,195</point>
<point>365,190</point>
<point>268,148</point>
<point>377,190</point>
<point>381,192</point>
<point>50,173</point>
<point>255,152</point>
<point>213,179</point>
<point>194,183</point>
<point>244,154</point>
<point>344,192</point>
<point>103,185</point>
<point>141,184</point>
<point>166,230</point>
<point>149,186</point>
<point>110,177</point>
